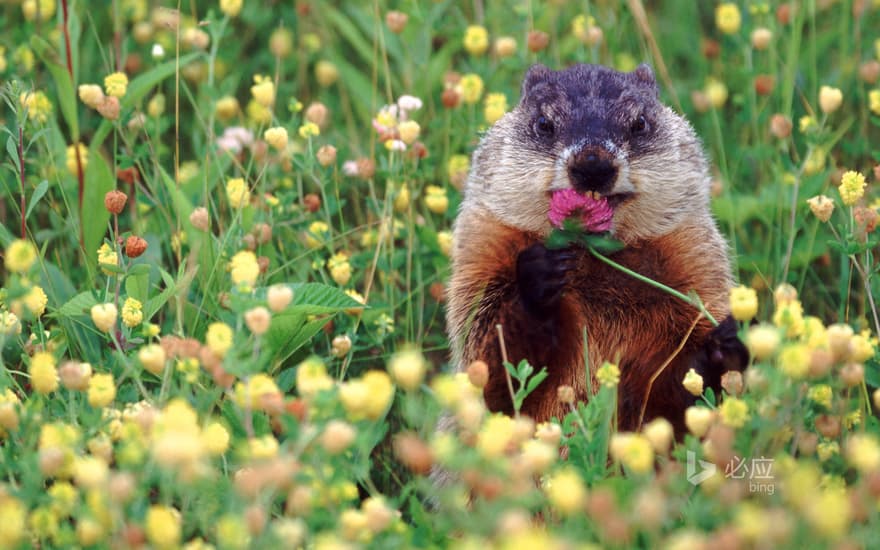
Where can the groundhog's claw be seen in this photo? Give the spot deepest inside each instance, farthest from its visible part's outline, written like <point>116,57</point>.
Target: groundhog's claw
<point>541,276</point>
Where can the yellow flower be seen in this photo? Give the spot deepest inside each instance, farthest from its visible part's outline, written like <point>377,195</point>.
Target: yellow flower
<point>215,439</point>
<point>152,357</point>
<point>608,375</point>
<point>822,207</point>
<point>863,452</point>
<point>31,9</point>
<point>457,168</point>
<point>316,234</point>
<point>238,193</point>
<point>70,157</point>
<point>35,300</point>
<point>257,113</point>
<point>10,325</point>
<point>219,338</point>
<point>132,312</point>
<point>444,241</point>
<point>250,393</point>
<point>263,447</point>
<point>436,199</point>
<point>852,187</point>
<point>12,520</point>
<point>232,533</point>
<point>230,7</point>
<point>476,40</point>
<point>830,99</point>
<point>495,107</point>
<point>815,161</point>
<point>312,377</point>
<point>380,391</point>
<point>409,131</point>
<point>794,360</point>
<point>226,107</point>
<point>276,137</point>
<point>20,255</point>
<point>90,472</point>
<point>693,382</point>
<point>102,390</point>
<point>326,73</point>
<point>408,368</point>
<point>862,347</point>
<point>659,433</point>
<point>162,526</point>
<point>471,88</point>
<point>728,18</point>
<point>340,268</point>
<point>833,526</point>
<point>308,130</point>
<point>107,256</point>
<point>717,92</point>
<point>156,106</point>
<point>495,436</point>
<point>263,91</point>
<point>734,412</point>
<point>38,106</point>
<point>632,450</point>
<point>874,101</point>
<point>116,84</point>
<point>244,268</point>
<point>279,297</point>
<point>91,94</point>
<point>821,394</point>
<point>743,303</point>
<point>790,316</point>
<point>566,492</point>
<point>44,376</point>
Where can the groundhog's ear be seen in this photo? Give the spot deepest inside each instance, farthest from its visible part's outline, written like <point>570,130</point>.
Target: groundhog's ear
<point>536,74</point>
<point>644,75</point>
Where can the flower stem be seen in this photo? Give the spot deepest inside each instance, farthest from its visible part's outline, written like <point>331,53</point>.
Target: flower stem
<point>692,300</point>
<point>21,177</point>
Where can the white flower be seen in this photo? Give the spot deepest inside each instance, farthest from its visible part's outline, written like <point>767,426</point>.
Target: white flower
<point>409,103</point>
<point>158,52</point>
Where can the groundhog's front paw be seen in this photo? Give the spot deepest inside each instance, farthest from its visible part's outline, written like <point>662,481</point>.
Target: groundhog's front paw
<point>541,275</point>
<point>724,351</point>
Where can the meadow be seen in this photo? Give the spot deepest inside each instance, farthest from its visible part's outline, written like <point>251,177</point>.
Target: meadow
<point>225,236</point>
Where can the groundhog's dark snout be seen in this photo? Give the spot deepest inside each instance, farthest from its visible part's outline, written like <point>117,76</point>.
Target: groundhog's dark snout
<point>592,169</point>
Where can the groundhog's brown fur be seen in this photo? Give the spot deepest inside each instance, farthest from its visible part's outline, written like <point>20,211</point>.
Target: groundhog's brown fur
<point>660,186</point>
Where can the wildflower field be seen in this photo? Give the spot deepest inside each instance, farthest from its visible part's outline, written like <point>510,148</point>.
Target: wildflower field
<point>226,230</point>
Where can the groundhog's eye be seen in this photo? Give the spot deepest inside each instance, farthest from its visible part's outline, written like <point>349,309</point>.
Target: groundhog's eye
<point>639,126</point>
<point>544,126</point>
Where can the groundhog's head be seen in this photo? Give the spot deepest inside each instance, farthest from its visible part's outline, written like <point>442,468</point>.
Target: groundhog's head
<point>602,133</point>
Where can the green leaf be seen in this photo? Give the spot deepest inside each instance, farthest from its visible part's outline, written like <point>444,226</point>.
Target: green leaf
<point>35,198</point>
<point>98,181</point>
<point>80,304</point>
<point>137,284</point>
<point>317,298</point>
<point>64,85</point>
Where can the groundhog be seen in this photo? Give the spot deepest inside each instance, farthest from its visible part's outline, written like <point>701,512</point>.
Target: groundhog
<point>606,136</point>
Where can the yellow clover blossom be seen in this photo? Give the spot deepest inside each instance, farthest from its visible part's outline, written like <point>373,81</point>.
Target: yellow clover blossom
<point>231,7</point>
<point>116,84</point>
<point>316,234</point>
<point>20,255</point>
<point>476,40</point>
<point>794,360</point>
<point>608,375</point>
<point>250,393</point>
<point>244,268</point>
<point>215,438</point>
<point>408,368</point>
<point>34,9</point>
<point>566,492</point>
<point>102,390</point>
<point>35,300</point>
<point>821,394</point>
<point>436,199</point>
<point>874,101</point>
<point>107,256</point>
<point>728,18</point>
<point>263,90</point>
<point>471,88</point>
<point>38,106</point>
<point>312,377</point>
<point>44,376</point>
<point>238,193</point>
<point>163,527</point>
<point>734,412</point>
<point>219,338</point>
<point>308,130</point>
<point>276,137</point>
<point>852,187</point>
<point>380,391</point>
<point>71,161</point>
<point>743,303</point>
<point>495,436</point>
<point>132,312</point>
<point>633,450</point>
<point>340,268</point>
<point>495,107</point>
